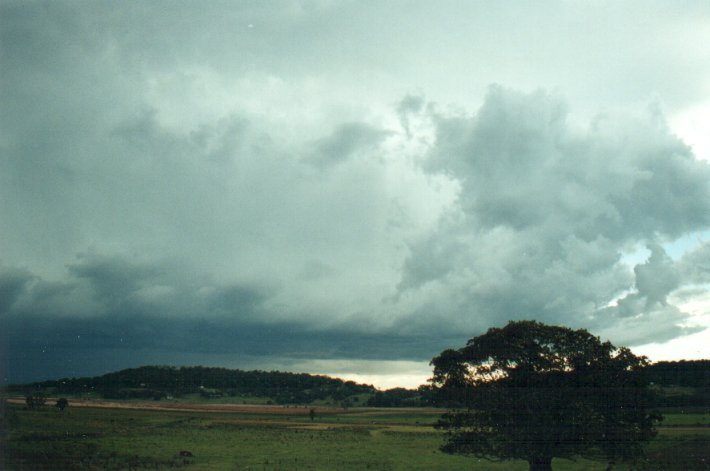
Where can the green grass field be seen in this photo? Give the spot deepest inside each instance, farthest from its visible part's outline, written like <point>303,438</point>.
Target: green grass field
<point>87,438</point>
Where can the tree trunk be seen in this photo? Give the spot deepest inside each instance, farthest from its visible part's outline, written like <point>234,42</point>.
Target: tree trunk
<point>540,464</point>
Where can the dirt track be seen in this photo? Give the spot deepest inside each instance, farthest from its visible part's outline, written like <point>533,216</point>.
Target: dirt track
<point>187,407</point>
<point>235,408</point>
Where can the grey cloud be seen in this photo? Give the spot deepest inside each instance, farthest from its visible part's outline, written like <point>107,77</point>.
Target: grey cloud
<point>227,199</point>
<point>345,141</point>
<point>65,298</point>
<point>382,47</point>
<point>670,191</point>
<point>656,278</point>
<point>97,288</point>
<point>49,332</point>
<point>111,278</point>
<point>174,146</point>
<point>653,326</point>
<point>407,107</point>
<point>13,282</point>
<point>546,212</point>
<point>314,270</point>
<point>433,260</point>
<point>694,266</point>
<point>410,104</point>
<point>239,303</point>
<point>522,165</point>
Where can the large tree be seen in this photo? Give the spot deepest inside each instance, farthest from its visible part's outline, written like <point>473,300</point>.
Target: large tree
<point>534,392</point>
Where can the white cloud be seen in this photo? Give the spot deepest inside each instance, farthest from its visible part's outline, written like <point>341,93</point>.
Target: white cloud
<point>546,212</point>
<point>692,124</point>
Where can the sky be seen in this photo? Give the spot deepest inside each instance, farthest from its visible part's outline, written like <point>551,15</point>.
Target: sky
<point>348,187</point>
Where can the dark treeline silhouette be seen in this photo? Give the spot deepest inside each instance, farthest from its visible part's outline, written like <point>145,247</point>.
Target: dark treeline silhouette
<point>684,383</point>
<point>691,373</point>
<point>396,397</point>
<point>156,382</point>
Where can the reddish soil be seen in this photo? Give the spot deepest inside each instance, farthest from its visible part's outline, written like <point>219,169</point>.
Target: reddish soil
<point>177,406</point>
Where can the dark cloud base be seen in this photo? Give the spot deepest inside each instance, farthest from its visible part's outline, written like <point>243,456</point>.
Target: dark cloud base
<point>49,347</point>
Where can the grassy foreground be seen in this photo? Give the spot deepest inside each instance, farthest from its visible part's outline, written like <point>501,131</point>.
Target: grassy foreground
<point>279,438</point>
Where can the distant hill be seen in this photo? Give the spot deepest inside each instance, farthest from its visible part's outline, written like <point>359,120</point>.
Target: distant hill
<point>157,382</point>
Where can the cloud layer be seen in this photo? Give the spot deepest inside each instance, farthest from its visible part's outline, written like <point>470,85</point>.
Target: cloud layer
<point>287,183</point>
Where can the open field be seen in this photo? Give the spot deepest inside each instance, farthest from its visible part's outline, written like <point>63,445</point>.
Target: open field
<point>96,435</point>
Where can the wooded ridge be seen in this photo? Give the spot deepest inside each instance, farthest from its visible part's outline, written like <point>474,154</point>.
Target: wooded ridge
<point>680,383</point>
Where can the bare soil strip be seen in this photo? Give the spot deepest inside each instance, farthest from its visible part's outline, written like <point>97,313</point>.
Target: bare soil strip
<point>236,408</point>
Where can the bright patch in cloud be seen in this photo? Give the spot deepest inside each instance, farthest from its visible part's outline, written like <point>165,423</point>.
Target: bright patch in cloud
<point>693,126</point>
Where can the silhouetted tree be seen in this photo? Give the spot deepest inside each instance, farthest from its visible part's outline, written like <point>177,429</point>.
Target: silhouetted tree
<point>35,400</point>
<point>534,392</point>
<point>62,403</point>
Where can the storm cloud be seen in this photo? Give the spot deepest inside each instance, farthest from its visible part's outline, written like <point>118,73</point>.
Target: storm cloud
<point>258,184</point>
<point>546,212</point>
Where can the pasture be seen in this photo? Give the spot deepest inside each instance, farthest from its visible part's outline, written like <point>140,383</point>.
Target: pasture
<point>98,435</point>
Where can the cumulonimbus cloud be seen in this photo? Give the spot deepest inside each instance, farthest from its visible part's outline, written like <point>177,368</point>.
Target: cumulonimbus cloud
<point>546,212</point>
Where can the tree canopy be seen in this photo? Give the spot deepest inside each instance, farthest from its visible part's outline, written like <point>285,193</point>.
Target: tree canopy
<point>534,392</point>
<point>62,403</point>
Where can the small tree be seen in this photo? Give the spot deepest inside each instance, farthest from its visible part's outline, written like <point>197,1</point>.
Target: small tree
<point>35,400</point>
<point>62,403</point>
<point>534,392</point>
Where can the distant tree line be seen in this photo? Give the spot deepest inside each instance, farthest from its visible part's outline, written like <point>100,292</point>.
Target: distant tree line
<point>684,383</point>
<point>396,397</point>
<point>157,382</point>
<point>692,375</point>
<point>689,373</point>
